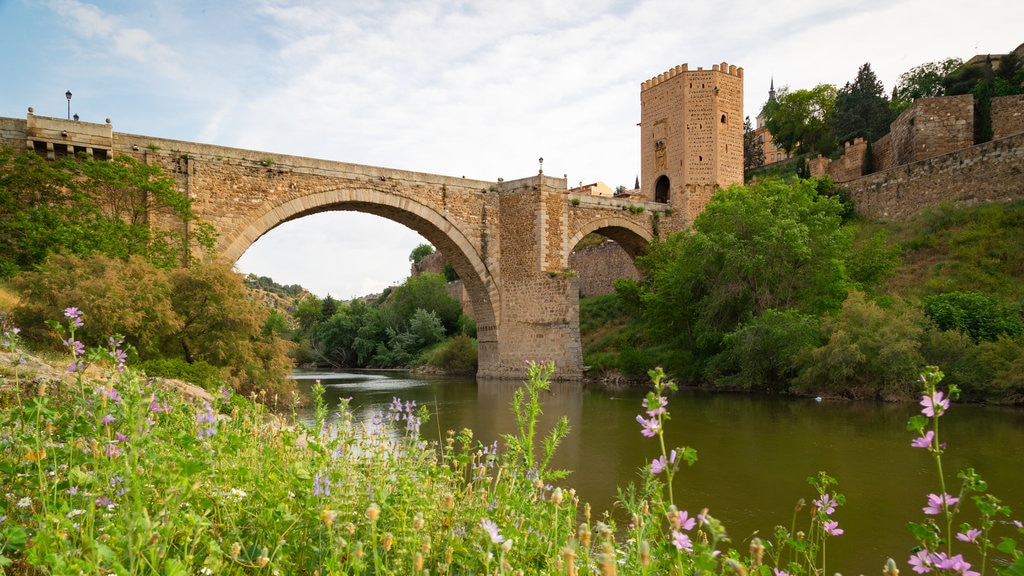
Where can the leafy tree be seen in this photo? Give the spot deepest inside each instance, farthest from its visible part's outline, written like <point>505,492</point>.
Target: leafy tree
<point>980,316</point>
<point>127,297</point>
<point>309,312</point>
<point>79,205</point>
<point>753,148</point>
<point>861,109</point>
<point>328,307</point>
<point>761,354</point>
<point>420,252</point>
<point>429,292</point>
<point>799,119</point>
<point>771,246</point>
<point>924,81</point>
<point>450,275</point>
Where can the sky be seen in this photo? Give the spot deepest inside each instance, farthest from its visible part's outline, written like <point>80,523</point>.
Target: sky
<point>475,88</point>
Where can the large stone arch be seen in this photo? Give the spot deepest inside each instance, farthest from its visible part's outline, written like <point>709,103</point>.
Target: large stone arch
<point>439,231</point>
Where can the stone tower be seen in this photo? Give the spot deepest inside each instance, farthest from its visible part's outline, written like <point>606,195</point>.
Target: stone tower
<point>691,136</point>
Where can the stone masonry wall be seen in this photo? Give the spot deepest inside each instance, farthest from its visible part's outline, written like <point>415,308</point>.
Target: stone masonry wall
<point>990,172</point>
<point>1007,116</point>
<point>598,267</point>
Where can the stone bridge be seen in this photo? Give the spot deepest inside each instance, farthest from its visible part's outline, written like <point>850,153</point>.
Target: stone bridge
<point>509,241</point>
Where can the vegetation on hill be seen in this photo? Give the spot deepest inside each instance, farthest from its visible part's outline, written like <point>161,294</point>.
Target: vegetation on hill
<point>774,291</point>
<point>77,233</point>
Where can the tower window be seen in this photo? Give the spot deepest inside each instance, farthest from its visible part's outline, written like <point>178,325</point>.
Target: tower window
<point>723,118</point>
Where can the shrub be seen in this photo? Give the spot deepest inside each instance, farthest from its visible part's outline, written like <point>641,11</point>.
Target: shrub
<point>457,354</point>
<point>870,351</point>
<point>981,316</point>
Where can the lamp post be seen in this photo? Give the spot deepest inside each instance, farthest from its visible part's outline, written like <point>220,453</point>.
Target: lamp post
<point>68,96</point>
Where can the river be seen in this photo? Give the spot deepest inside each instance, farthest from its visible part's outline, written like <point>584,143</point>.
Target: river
<point>755,452</point>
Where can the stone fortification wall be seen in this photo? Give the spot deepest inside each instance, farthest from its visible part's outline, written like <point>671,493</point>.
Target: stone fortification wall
<point>598,267</point>
<point>1007,116</point>
<point>12,133</point>
<point>929,127</point>
<point>932,127</point>
<point>990,172</point>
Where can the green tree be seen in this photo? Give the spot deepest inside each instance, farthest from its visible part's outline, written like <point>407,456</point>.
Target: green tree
<point>861,109</point>
<point>753,147</point>
<point>771,246</point>
<point>420,252</point>
<point>924,81</point>
<point>429,292</point>
<point>308,313</point>
<point>799,119</point>
<point>79,205</point>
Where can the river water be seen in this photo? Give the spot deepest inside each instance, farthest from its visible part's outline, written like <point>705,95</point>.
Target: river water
<point>755,452</point>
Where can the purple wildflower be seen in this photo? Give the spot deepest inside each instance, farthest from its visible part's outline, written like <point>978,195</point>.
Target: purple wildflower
<point>209,418</point>
<point>970,536</point>
<point>826,504</point>
<point>924,441</point>
<point>934,405</point>
<point>107,419</point>
<point>831,527</point>
<point>104,502</point>
<point>681,541</point>
<point>684,521</point>
<point>321,485</point>
<point>954,563</point>
<point>935,503</point>
<point>778,572</point>
<point>650,426</point>
<point>660,464</point>
<point>75,315</point>
<point>921,562</point>
<point>492,530</point>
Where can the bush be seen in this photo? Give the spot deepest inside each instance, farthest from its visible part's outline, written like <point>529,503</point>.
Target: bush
<point>870,351</point>
<point>761,354</point>
<point>980,316</point>
<point>457,354</point>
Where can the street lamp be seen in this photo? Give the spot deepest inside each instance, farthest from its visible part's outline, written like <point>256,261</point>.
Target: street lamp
<point>68,96</point>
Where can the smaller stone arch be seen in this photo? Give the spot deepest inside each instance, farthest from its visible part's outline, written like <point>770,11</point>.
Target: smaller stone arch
<point>633,237</point>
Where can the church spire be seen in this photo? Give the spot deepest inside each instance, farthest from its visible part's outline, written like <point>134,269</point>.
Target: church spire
<point>771,90</point>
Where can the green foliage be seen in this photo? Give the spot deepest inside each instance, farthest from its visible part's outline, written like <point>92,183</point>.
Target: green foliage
<point>771,246</point>
<point>420,252</point>
<point>869,351</point>
<point>201,314</point>
<point>83,206</point>
<point>200,373</point>
<point>429,292</point>
<point>923,81</point>
<point>861,109</point>
<point>873,260</point>
<point>980,316</point>
<point>449,273</point>
<point>799,119</point>
<point>761,354</point>
<point>526,407</point>
<point>456,355</point>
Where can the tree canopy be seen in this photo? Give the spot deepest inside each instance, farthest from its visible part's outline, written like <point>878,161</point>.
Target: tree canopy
<point>799,119</point>
<point>924,81</point>
<point>753,249</point>
<point>861,109</point>
<point>753,148</point>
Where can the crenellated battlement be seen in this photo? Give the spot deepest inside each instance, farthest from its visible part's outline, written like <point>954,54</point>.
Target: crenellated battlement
<point>725,67</point>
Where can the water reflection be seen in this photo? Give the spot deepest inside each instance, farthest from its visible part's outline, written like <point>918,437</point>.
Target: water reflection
<point>755,453</point>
